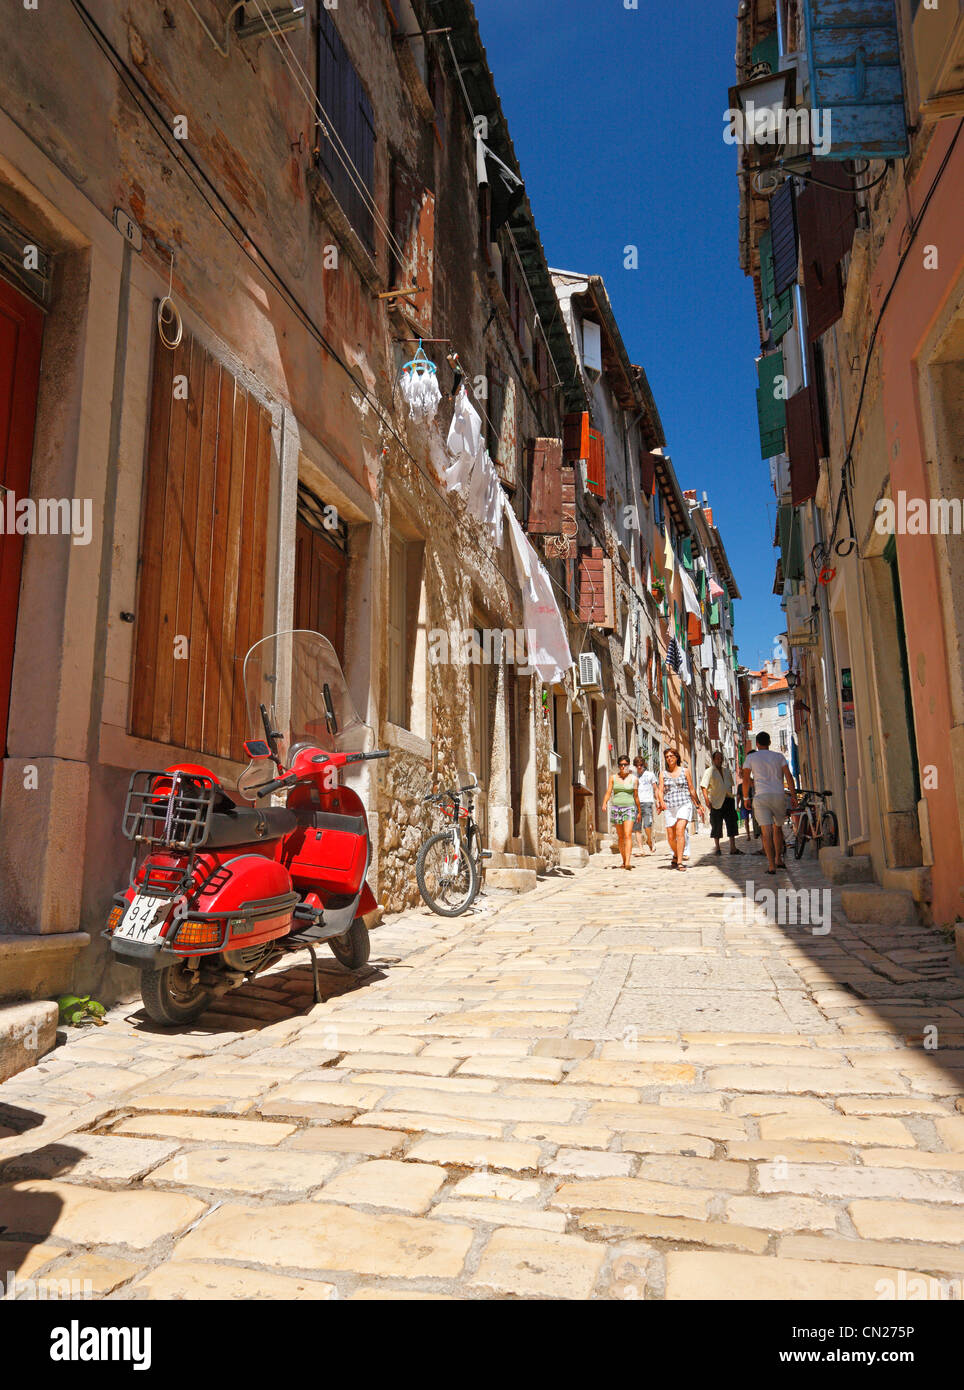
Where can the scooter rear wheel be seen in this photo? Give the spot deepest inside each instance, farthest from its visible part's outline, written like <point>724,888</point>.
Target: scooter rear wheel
<point>353,949</point>
<point>171,995</point>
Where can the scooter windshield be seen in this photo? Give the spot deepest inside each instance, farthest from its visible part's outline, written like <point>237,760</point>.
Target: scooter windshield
<point>294,681</point>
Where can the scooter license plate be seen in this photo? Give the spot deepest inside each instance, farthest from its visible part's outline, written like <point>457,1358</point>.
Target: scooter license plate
<point>144,918</point>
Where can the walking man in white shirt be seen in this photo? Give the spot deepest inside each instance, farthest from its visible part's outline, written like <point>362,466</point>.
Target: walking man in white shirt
<point>645,782</point>
<point>770,772</point>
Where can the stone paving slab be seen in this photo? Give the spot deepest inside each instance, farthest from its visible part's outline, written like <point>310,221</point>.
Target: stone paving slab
<point>606,1088</point>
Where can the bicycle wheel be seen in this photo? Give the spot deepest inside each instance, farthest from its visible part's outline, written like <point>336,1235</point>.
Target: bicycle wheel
<point>800,839</point>
<point>448,884</point>
<point>829,830</point>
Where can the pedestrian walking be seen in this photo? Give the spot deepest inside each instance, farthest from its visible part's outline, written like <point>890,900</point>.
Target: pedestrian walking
<point>718,793</point>
<point>770,772</point>
<point>623,794</point>
<point>676,799</point>
<point>646,792</point>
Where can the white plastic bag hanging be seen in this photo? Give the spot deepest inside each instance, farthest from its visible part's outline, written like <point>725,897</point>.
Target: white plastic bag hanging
<point>419,386</point>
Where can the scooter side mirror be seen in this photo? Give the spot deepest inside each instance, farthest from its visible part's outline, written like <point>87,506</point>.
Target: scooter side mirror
<point>257,748</point>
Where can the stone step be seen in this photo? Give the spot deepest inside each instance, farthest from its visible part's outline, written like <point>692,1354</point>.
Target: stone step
<point>887,907</point>
<point>573,856</point>
<point>916,881</point>
<point>502,860</point>
<point>840,867</point>
<point>515,880</point>
<point>27,1033</point>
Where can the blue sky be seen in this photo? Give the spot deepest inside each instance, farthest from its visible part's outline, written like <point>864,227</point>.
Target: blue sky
<point>617,120</point>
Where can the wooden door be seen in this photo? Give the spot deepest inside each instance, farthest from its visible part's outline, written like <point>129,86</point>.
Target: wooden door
<point>321,570</point>
<point>21,328</point>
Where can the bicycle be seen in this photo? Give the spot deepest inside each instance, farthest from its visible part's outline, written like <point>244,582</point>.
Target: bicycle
<point>806,826</point>
<point>451,864</point>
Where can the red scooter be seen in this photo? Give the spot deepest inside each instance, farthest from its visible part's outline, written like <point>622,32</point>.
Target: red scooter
<point>223,891</point>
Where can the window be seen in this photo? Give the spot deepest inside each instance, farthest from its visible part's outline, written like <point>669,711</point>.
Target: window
<point>204,539</point>
<point>407,649</point>
<point>352,142</point>
<point>658,508</point>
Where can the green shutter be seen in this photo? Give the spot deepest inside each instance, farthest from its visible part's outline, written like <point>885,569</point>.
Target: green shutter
<point>665,689</point>
<point>791,542</point>
<point>779,311</point>
<point>702,586</point>
<point>686,552</point>
<point>715,614</point>
<point>767,51</point>
<point>771,407</point>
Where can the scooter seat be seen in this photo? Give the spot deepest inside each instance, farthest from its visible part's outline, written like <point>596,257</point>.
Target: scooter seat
<point>249,826</point>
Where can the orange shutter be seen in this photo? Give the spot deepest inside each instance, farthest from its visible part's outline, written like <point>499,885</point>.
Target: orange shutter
<point>576,436</point>
<point>596,464</point>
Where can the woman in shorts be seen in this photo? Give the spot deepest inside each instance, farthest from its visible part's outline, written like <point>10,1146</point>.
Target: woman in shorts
<point>676,799</point>
<point>622,792</point>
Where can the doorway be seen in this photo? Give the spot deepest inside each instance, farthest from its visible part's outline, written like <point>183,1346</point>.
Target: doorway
<point>21,330</point>
<point>321,570</point>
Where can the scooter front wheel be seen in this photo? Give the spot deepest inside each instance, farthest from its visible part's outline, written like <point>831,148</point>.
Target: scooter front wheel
<point>353,949</point>
<point>172,995</point>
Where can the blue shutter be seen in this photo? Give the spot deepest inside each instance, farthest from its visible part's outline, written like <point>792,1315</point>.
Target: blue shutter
<point>856,79</point>
<point>781,710</point>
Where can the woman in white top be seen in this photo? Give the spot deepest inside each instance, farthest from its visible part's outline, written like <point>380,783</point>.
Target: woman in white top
<point>676,798</point>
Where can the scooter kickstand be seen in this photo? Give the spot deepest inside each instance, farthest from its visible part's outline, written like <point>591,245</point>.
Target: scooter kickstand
<point>314,973</point>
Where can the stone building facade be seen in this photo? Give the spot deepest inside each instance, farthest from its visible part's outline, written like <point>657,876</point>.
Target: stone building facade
<point>277,189</point>
<point>858,264</point>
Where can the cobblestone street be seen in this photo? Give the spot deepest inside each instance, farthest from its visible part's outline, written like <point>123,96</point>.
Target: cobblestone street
<point>611,1087</point>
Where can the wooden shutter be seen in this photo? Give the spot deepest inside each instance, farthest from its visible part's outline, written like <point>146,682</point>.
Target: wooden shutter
<point>771,408</point>
<point>202,561</point>
<point>346,107</point>
<point>783,237</point>
<point>827,220</point>
<point>713,724</point>
<point>592,580</point>
<point>596,464</point>
<point>855,72</point>
<point>545,472</point>
<point>413,226</point>
<point>647,473</point>
<point>778,309</point>
<point>575,436</point>
<point>802,445</point>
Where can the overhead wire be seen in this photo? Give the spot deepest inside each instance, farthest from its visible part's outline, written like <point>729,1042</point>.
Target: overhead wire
<point>307,89</point>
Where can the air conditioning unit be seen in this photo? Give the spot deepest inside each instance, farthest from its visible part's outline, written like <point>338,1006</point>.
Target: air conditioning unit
<point>590,671</point>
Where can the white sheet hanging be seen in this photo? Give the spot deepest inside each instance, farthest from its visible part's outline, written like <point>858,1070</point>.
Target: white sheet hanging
<point>550,655</point>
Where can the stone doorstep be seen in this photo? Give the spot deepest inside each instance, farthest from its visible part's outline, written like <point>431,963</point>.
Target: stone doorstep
<point>35,967</point>
<point>515,880</point>
<point>887,907</point>
<point>841,868</point>
<point>27,1032</point>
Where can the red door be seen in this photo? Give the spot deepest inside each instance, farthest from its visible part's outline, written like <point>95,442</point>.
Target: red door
<point>21,326</point>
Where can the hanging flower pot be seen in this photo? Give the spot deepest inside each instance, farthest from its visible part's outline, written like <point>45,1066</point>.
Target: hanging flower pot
<point>659,590</point>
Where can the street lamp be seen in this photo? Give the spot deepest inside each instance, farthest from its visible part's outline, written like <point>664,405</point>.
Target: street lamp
<point>793,679</point>
<point>758,114</point>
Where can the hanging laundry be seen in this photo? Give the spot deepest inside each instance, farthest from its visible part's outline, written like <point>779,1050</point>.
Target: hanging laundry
<point>549,653</point>
<point>472,472</point>
<point>669,562</point>
<point>715,589</point>
<point>506,189</point>
<point>674,657</point>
